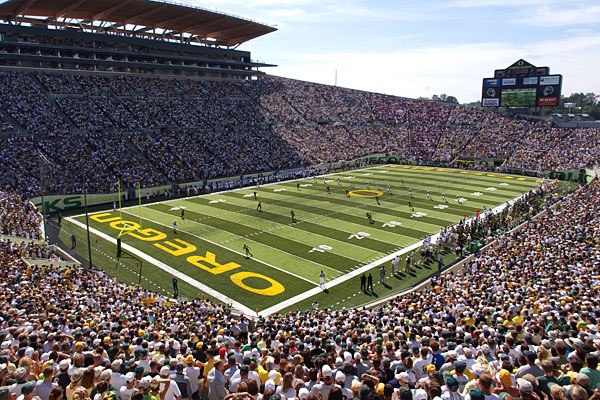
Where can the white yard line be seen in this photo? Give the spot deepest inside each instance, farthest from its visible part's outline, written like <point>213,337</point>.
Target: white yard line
<point>360,208</point>
<point>249,239</point>
<point>168,269</point>
<point>303,296</point>
<point>237,252</point>
<point>297,226</point>
<point>291,301</point>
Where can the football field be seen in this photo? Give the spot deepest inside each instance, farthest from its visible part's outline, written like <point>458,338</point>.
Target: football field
<point>329,232</point>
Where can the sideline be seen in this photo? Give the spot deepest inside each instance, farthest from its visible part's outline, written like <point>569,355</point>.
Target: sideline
<point>459,266</point>
<point>329,284</point>
<point>303,296</point>
<point>166,268</point>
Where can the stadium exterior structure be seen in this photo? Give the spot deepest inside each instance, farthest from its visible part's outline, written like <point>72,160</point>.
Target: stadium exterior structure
<point>138,36</point>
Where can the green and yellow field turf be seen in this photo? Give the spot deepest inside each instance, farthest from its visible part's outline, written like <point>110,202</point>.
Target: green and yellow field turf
<point>331,234</point>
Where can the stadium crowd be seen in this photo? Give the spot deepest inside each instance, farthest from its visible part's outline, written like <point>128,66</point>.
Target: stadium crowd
<point>520,321</point>
<point>177,130</point>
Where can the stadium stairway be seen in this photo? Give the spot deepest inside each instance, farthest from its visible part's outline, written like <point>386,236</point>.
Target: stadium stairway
<point>439,140</point>
<point>255,101</point>
<point>51,98</point>
<point>517,145</point>
<point>459,152</point>
<point>53,231</point>
<point>6,116</point>
<point>291,103</point>
<point>53,103</point>
<point>135,149</point>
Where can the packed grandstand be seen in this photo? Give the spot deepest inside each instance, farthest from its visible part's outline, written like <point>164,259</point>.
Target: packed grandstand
<point>518,321</point>
<point>178,130</point>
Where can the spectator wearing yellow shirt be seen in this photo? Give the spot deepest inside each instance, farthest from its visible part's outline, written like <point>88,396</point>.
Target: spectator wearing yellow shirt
<point>208,365</point>
<point>268,372</point>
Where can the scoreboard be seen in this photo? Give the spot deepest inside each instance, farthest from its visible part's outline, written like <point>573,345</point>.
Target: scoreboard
<point>522,85</point>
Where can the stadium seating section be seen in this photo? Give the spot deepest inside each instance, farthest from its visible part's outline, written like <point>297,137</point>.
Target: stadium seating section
<point>157,131</point>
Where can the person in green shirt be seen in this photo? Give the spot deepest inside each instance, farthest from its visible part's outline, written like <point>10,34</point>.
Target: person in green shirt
<point>591,371</point>
<point>147,393</point>
<point>544,382</point>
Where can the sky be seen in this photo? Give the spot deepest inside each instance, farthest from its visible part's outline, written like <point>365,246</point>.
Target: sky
<point>420,48</point>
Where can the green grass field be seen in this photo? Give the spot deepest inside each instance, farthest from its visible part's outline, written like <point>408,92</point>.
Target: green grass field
<point>331,234</point>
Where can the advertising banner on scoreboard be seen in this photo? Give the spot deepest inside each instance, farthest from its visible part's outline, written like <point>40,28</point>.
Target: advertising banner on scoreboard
<point>491,82</point>
<point>548,91</point>
<point>490,102</point>
<point>490,96</point>
<point>550,80</point>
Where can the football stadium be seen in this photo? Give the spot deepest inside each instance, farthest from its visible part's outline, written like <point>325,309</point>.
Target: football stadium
<point>179,224</point>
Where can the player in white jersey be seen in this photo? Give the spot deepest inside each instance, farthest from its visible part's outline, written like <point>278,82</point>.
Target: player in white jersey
<point>322,280</point>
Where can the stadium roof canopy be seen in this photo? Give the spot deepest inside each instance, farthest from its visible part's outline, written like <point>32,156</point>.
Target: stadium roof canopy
<point>151,19</point>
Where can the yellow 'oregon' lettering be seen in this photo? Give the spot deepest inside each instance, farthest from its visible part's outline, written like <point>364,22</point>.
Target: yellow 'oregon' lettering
<point>99,217</point>
<point>148,235</point>
<point>216,268</point>
<point>179,250</point>
<point>273,290</point>
<point>207,263</point>
<point>125,225</point>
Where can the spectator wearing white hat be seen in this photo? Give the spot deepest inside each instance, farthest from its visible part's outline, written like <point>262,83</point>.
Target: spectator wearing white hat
<point>340,379</point>
<point>322,389</point>
<point>173,392</point>
<point>117,379</point>
<point>76,377</point>
<point>126,391</point>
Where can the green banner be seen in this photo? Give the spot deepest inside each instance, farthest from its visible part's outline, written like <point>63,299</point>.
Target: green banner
<point>579,175</point>
<point>55,203</point>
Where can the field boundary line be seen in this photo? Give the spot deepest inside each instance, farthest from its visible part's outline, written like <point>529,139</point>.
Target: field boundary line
<point>303,296</point>
<point>159,264</point>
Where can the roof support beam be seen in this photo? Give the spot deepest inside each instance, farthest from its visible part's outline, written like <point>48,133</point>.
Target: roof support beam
<point>206,26</point>
<point>24,8</point>
<point>68,8</point>
<point>241,39</point>
<point>110,10</point>
<point>175,19</point>
<point>145,14</point>
<point>229,31</point>
<point>144,29</point>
